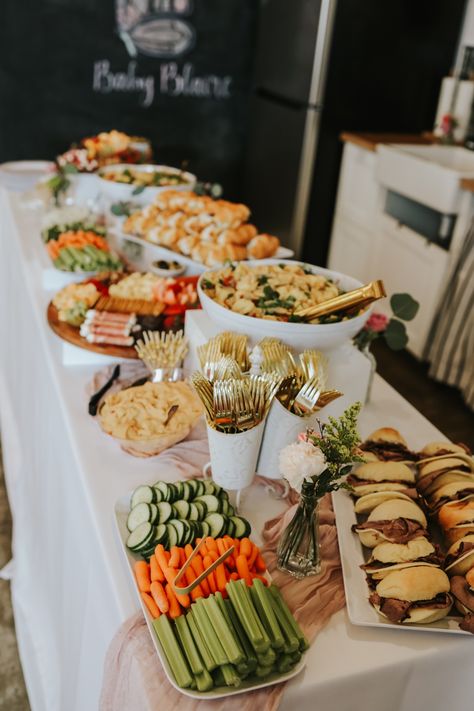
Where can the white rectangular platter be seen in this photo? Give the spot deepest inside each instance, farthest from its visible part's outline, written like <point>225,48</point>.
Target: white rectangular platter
<point>359,609</point>
<point>159,252</point>
<point>122,508</point>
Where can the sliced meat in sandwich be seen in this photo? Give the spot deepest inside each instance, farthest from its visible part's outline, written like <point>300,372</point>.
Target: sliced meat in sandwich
<point>457,519</point>
<point>460,556</point>
<point>462,589</point>
<point>441,471</point>
<point>367,503</point>
<point>388,445</point>
<point>382,476</point>
<point>441,449</point>
<point>387,557</point>
<point>456,491</point>
<point>417,595</point>
<point>396,521</point>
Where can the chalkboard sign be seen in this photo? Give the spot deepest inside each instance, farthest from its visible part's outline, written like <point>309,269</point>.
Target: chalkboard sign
<point>176,71</point>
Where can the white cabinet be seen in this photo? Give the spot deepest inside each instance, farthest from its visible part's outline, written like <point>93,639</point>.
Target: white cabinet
<point>358,198</point>
<point>407,262</point>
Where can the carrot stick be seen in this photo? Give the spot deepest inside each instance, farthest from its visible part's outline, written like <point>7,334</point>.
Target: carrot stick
<point>170,575</point>
<point>159,596</point>
<point>174,557</point>
<point>236,547</point>
<point>151,605</point>
<point>221,578</point>
<point>190,578</point>
<point>211,544</point>
<point>162,556</point>
<point>260,564</point>
<point>207,561</point>
<point>174,608</point>
<point>155,571</point>
<point>198,567</point>
<point>253,556</point>
<point>142,575</point>
<point>182,557</point>
<point>213,555</point>
<point>246,547</point>
<point>243,569</point>
<point>221,547</point>
<point>234,576</point>
<point>188,550</point>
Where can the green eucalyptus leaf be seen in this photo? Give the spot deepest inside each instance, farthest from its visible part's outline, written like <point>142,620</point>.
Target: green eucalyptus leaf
<point>396,335</point>
<point>404,306</point>
<point>70,168</point>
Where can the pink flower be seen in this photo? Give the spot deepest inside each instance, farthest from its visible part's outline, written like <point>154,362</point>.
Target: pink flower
<point>377,323</point>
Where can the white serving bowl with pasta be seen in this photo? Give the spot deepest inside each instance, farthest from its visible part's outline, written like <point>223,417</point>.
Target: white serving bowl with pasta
<point>324,336</point>
<point>117,191</point>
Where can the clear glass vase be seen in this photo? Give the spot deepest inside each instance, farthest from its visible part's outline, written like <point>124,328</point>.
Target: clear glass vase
<point>298,550</point>
<point>373,367</point>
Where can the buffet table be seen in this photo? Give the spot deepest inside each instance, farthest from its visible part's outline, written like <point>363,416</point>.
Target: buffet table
<point>70,587</point>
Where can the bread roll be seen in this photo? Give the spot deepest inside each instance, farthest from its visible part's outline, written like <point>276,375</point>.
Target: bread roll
<point>262,246</point>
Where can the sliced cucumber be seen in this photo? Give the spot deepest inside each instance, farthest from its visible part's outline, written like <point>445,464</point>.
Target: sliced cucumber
<point>161,534</point>
<point>230,530</point>
<point>165,490</point>
<point>143,494</point>
<point>158,494</point>
<point>216,523</point>
<point>209,486</point>
<point>139,514</point>
<point>173,494</point>
<point>173,539</point>
<point>141,536</point>
<point>192,483</point>
<point>164,511</point>
<point>213,504</point>
<point>188,493</point>
<point>178,485</point>
<point>194,513</point>
<point>181,508</point>
<point>242,526</point>
<point>154,513</point>
<point>205,529</point>
<point>200,488</point>
<point>201,507</point>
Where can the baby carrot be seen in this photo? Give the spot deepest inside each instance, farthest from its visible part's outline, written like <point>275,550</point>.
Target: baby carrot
<point>207,562</point>
<point>162,556</point>
<point>221,578</point>
<point>159,596</point>
<point>211,544</point>
<point>221,547</point>
<point>213,555</point>
<point>174,557</point>
<point>246,547</point>
<point>260,564</point>
<point>151,605</point>
<point>155,571</point>
<point>253,555</point>
<point>174,608</point>
<point>243,569</point>
<point>170,575</point>
<point>236,547</point>
<point>182,557</point>
<point>142,575</point>
<point>234,576</point>
<point>188,549</point>
<point>190,578</point>
<point>198,567</point>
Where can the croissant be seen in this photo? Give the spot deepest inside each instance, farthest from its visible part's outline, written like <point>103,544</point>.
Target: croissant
<point>262,246</point>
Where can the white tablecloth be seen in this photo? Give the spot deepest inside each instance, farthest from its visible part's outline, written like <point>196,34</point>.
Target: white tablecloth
<point>71,589</point>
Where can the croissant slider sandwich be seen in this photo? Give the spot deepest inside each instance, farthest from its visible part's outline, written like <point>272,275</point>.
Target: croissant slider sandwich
<point>388,445</point>
<point>396,521</point>
<point>460,556</point>
<point>381,476</point>
<point>418,595</point>
<point>387,557</point>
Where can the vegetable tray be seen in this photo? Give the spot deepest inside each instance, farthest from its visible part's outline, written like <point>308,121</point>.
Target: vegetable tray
<point>122,508</point>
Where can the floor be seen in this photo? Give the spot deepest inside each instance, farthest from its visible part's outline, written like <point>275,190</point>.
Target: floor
<point>13,695</point>
<point>440,404</point>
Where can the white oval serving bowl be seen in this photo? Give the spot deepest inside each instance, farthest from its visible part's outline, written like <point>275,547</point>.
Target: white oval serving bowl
<point>297,335</point>
<point>123,192</point>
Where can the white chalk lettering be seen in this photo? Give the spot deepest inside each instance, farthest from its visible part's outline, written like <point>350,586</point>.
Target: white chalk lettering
<point>174,83</point>
<point>105,81</point>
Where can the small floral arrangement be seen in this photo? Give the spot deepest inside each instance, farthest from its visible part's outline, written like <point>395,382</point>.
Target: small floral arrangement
<point>323,459</point>
<point>392,329</point>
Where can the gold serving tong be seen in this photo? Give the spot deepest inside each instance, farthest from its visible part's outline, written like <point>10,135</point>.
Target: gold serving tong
<point>202,576</point>
<point>351,300</point>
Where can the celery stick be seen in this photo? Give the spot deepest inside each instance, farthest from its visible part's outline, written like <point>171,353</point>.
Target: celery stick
<point>231,678</point>
<point>243,667</point>
<point>172,651</point>
<point>276,594</point>
<point>267,659</point>
<point>285,663</point>
<point>204,680</point>
<point>291,640</point>
<point>267,616</point>
<point>187,643</point>
<point>205,628</point>
<point>247,616</point>
<point>251,659</point>
<point>201,644</point>
<point>261,672</point>
<point>295,657</point>
<point>224,633</point>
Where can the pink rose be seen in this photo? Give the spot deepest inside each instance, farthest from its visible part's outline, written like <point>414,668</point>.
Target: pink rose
<point>377,323</point>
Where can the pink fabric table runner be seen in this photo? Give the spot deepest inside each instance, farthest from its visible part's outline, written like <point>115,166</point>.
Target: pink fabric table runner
<point>134,679</point>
